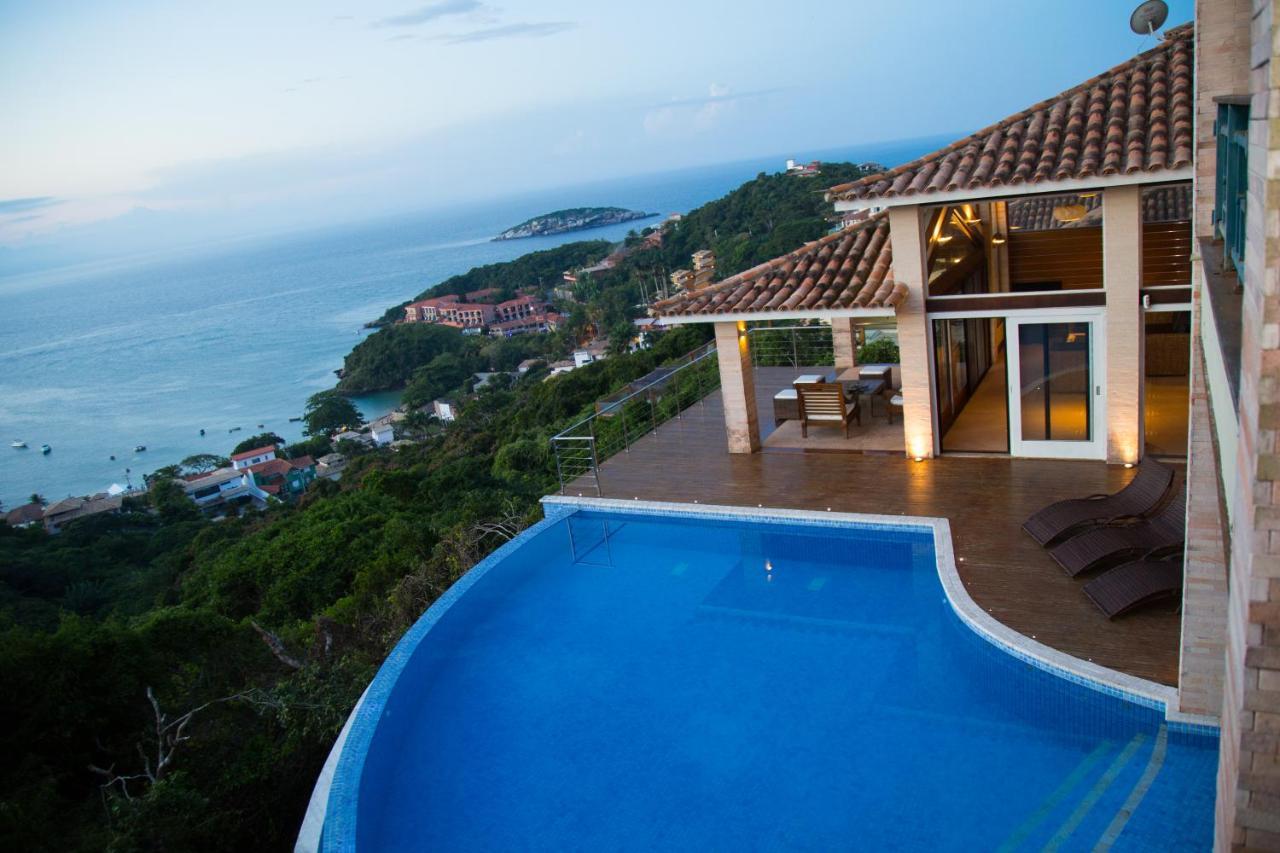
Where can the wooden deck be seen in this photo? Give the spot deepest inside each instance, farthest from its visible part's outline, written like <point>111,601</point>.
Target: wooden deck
<point>985,499</point>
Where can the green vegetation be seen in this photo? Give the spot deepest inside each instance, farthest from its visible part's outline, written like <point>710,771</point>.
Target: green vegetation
<point>879,351</point>
<point>762,219</point>
<point>262,439</point>
<point>258,633</point>
<point>328,411</point>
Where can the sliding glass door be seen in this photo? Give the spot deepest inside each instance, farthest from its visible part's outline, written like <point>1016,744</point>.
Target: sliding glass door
<point>1056,394</point>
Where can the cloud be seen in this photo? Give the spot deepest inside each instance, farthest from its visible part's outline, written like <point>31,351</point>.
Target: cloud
<point>430,12</point>
<point>698,114</point>
<point>508,31</point>
<point>22,205</point>
<point>28,218</point>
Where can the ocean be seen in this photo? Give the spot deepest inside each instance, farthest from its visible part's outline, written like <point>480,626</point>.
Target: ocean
<point>98,358</point>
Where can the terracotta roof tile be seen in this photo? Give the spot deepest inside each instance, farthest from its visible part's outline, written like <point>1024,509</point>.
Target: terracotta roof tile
<point>1134,118</point>
<point>852,268</point>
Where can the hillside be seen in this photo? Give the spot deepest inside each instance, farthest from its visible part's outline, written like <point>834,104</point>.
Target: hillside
<point>571,219</point>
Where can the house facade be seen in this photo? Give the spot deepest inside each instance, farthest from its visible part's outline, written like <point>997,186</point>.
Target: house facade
<point>1026,271</point>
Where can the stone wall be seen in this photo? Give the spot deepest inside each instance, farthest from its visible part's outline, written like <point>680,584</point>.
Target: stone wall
<point>1249,765</point>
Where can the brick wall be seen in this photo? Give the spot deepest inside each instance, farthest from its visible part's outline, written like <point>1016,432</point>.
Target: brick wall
<point>1249,764</point>
<point>1204,594</point>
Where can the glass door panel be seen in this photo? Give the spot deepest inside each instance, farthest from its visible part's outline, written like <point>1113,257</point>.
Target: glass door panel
<point>1056,399</point>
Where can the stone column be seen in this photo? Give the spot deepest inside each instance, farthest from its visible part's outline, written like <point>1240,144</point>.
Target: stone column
<point>907,236</point>
<point>844,341</point>
<point>737,386</point>
<point>1122,278</point>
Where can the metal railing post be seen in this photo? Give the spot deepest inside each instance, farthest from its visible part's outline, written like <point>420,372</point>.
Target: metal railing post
<point>595,466</point>
<point>555,446</point>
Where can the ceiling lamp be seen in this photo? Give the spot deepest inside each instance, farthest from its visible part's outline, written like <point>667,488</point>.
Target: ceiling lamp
<point>1069,212</point>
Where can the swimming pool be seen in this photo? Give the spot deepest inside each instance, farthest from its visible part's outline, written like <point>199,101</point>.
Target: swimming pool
<point>625,680</point>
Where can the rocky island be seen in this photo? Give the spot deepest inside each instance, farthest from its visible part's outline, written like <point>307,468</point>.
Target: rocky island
<point>572,219</point>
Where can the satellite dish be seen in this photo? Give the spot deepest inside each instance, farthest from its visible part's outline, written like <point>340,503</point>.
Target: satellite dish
<point>1148,17</point>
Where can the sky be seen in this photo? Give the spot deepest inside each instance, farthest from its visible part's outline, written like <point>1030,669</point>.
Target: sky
<point>136,121</point>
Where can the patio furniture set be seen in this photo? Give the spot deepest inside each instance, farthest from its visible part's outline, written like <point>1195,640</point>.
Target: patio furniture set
<point>1139,532</point>
<point>823,399</point>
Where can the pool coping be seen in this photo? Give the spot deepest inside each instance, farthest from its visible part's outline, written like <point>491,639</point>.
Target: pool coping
<point>1151,694</point>
<point>330,825</point>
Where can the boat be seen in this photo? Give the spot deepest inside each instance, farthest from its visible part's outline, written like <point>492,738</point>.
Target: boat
<point>17,442</point>
<point>294,420</point>
<point>45,449</point>
<point>202,432</point>
<point>262,426</point>
<point>235,429</point>
<point>139,448</point>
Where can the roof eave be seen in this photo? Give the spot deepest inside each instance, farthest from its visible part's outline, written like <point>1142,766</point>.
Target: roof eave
<point>756,316</point>
<point>1098,182</point>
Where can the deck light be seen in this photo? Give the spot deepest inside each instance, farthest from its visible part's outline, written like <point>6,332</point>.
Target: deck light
<point>1128,464</point>
<point>919,458</point>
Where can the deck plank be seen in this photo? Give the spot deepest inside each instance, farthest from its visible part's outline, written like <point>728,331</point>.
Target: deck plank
<point>985,499</point>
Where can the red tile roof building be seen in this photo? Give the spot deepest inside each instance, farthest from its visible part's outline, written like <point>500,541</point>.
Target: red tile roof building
<point>1134,118</point>
<point>1130,124</point>
<point>427,310</point>
<point>852,268</point>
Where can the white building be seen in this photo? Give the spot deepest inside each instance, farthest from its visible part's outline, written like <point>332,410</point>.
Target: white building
<point>249,458</point>
<point>383,434</point>
<point>223,485</point>
<point>446,410</point>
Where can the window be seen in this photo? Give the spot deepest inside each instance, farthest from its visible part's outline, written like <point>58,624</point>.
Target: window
<point>1232,131</point>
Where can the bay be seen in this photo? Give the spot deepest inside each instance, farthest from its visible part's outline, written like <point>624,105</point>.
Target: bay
<point>98,358</point>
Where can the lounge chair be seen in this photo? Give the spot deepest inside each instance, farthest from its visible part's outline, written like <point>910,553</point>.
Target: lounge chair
<point>1139,498</point>
<point>1102,546</point>
<point>825,403</point>
<point>1134,585</point>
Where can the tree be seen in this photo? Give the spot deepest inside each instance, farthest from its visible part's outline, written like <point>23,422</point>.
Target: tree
<point>202,463</point>
<point>328,411</point>
<point>262,439</point>
<point>37,498</point>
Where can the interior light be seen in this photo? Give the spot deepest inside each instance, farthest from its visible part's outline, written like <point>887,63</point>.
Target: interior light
<point>919,458</point>
<point>1069,212</point>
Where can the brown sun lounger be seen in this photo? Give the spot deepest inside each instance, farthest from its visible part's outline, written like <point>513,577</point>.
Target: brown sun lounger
<point>1139,498</point>
<point>1108,546</point>
<point>1135,585</point>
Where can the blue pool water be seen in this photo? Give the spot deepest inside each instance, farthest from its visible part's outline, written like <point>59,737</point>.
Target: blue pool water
<point>641,682</point>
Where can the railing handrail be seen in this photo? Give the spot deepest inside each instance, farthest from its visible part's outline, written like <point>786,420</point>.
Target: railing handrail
<point>709,349</point>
